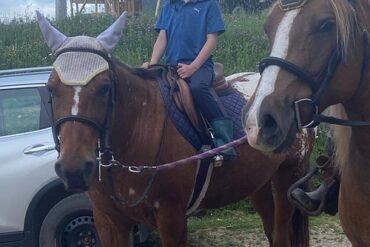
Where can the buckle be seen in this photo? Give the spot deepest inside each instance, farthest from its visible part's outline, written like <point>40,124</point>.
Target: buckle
<point>312,123</point>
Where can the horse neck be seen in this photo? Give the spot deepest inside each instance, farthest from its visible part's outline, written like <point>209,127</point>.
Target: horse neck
<point>138,117</point>
<point>353,143</point>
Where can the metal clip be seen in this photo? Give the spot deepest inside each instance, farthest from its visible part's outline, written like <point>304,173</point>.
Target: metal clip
<point>135,169</point>
<point>218,160</point>
<point>298,113</point>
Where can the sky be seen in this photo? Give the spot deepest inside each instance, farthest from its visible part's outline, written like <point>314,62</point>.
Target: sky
<point>26,8</point>
<point>22,8</point>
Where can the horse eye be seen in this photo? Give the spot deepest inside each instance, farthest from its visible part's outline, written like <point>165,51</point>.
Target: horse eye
<point>103,90</point>
<point>326,26</point>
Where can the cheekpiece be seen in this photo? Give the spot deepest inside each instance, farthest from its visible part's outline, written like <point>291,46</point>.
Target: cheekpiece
<point>286,5</point>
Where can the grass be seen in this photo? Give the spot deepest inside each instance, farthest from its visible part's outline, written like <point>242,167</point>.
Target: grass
<point>239,228</point>
<point>227,219</point>
<point>21,43</point>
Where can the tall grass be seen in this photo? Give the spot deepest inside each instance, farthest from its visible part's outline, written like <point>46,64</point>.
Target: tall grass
<point>239,49</point>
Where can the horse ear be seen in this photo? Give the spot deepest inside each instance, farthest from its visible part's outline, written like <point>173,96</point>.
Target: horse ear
<point>110,37</point>
<point>54,39</point>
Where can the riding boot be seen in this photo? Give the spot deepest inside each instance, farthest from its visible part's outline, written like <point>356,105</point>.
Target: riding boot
<point>222,134</point>
<point>324,198</point>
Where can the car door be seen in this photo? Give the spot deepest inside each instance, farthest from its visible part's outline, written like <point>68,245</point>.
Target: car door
<point>27,151</point>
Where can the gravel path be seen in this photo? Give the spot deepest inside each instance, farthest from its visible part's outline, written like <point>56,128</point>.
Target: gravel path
<point>326,233</point>
<point>323,236</point>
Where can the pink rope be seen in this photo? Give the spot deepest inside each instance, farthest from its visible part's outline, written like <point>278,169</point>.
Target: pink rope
<point>203,155</point>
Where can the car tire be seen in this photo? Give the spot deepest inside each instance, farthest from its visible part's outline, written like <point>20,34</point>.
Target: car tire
<point>69,224</point>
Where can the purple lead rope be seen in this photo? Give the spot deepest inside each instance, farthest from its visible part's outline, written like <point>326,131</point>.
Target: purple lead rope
<point>206,154</point>
<point>203,155</point>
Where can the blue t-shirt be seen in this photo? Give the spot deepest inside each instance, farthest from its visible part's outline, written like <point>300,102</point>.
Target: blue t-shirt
<point>187,26</point>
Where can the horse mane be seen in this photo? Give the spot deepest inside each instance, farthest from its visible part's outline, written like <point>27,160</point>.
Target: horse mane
<point>350,18</point>
<point>146,74</point>
<point>346,20</point>
<point>341,135</point>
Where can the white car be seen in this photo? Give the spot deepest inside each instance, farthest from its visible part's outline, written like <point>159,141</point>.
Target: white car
<point>35,209</point>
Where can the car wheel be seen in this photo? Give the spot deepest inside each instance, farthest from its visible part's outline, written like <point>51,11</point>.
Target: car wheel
<point>69,224</point>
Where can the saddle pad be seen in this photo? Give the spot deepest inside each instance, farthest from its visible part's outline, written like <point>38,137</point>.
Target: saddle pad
<point>233,104</point>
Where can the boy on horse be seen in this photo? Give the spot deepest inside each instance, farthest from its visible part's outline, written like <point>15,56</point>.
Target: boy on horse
<point>188,34</point>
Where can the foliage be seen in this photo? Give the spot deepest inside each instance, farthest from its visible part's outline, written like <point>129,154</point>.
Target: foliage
<point>21,43</point>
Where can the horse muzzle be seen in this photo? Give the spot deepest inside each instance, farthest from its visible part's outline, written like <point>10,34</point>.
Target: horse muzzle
<point>76,179</point>
<point>269,130</point>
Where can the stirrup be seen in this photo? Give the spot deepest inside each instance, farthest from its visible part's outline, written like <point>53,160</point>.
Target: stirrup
<point>322,163</point>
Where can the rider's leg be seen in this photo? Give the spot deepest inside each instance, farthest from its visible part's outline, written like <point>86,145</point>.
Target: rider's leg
<point>222,126</point>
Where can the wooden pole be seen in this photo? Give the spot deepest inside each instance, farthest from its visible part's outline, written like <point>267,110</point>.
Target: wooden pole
<point>83,6</point>
<point>157,8</point>
<point>60,9</point>
<point>71,6</point>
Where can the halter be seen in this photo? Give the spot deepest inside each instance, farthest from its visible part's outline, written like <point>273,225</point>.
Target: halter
<point>318,84</point>
<point>104,146</point>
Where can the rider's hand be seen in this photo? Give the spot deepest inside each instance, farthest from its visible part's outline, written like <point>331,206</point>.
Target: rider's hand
<point>146,65</point>
<point>185,70</point>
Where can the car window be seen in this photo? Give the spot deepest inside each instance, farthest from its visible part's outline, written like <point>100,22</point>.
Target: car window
<point>20,111</point>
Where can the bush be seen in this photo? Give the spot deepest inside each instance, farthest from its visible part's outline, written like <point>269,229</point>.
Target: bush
<point>22,45</point>
<point>248,5</point>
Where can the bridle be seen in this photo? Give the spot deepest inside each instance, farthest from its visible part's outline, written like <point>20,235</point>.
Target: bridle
<point>106,155</point>
<point>318,85</point>
<point>104,146</point>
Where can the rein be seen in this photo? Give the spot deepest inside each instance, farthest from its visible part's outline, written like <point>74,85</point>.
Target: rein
<point>318,84</point>
<point>138,169</point>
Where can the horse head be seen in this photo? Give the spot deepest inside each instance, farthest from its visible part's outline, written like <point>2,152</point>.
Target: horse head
<point>317,54</point>
<point>82,93</point>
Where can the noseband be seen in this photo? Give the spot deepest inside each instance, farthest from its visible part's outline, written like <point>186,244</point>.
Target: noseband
<point>318,84</point>
<point>104,146</point>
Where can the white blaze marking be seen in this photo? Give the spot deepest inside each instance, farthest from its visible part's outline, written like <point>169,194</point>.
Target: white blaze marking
<point>76,100</point>
<point>269,75</point>
<point>156,204</point>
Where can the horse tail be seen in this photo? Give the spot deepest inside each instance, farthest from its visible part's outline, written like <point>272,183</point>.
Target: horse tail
<point>301,234</point>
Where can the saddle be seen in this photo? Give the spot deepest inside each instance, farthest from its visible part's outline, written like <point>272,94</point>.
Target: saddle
<point>184,99</point>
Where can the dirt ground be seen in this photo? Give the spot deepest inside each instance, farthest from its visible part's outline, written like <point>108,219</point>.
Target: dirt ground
<point>325,235</point>
<point>320,237</point>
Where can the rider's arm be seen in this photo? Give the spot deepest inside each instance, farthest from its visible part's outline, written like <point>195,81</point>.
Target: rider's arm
<point>159,47</point>
<point>185,70</point>
<point>206,51</point>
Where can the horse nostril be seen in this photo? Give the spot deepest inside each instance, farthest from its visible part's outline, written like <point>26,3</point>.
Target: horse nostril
<point>269,126</point>
<point>89,167</point>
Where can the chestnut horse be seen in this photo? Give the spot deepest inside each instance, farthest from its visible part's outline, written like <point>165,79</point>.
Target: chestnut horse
<point>319,57</point>
<point>120,110</point>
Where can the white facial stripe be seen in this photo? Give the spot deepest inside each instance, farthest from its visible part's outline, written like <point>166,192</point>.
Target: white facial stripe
<point>279,49</point>
<point>76,100</point>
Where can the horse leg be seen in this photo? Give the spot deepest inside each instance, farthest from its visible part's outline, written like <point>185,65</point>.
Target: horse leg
<point>263,202</point>
<point>172,224</point>
<point>114,231</point>
<point>290,225</point>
